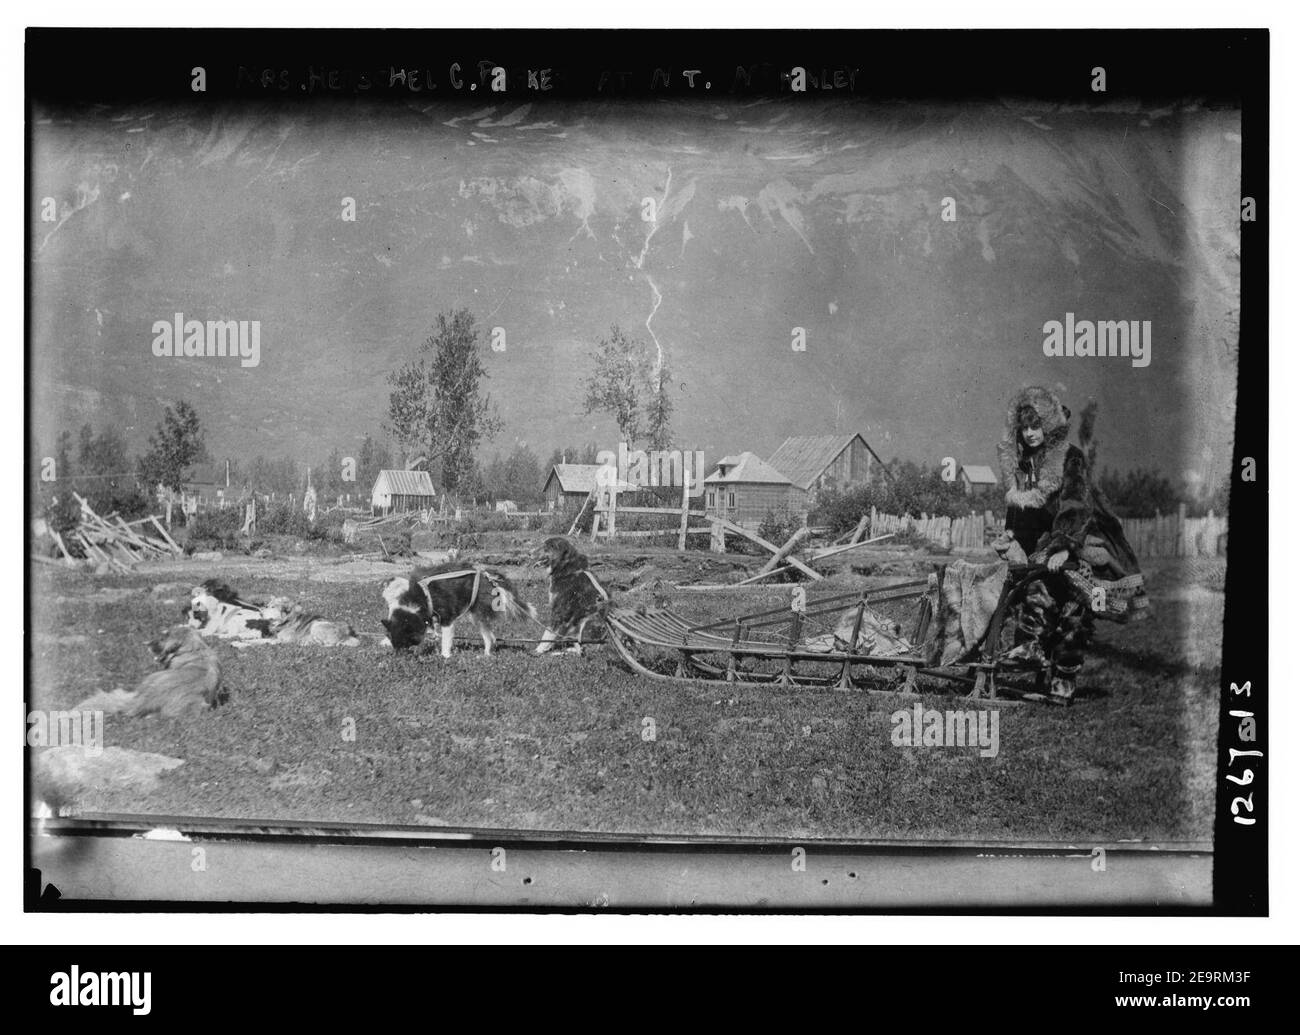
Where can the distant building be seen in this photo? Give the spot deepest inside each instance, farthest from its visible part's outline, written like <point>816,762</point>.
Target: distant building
<point>744,488</point>
<point>202,485</point>
<point>506,506</point>
<point>207,482</point>
<point>977,479</point>
<point>568,485</point>
<point>398,491</point>
<point>814,463</point>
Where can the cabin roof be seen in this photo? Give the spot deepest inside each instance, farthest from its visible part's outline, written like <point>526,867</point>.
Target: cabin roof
<point>206,474</point>
<point>979,474</point>
<point>747,468</point>
<point>804,458</point>
<point>574,477</point>
<point>405,483</point>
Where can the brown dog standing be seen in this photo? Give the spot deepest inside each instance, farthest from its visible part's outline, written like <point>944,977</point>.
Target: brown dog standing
<point>577,597</point>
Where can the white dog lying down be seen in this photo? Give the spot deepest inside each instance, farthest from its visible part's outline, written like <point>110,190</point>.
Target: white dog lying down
<point>286,622</point>
<point>217,610</point>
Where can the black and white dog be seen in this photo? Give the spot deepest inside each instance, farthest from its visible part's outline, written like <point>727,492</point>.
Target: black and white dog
<point>217,610</point>
<point>577,596</point>
<point>440,595</point>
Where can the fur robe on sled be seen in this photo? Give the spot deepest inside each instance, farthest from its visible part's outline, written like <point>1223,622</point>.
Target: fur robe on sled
<point>962,603</point>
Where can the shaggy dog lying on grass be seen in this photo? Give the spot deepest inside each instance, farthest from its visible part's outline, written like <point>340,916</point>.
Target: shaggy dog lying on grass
<point>189,683</point>
<point>286,623</point>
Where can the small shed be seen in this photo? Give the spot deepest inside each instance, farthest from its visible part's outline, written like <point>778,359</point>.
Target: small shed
<point>398,491</point>
<point>831,462</point>
<point>568,485</point>
<point>744,487</point>
<point>977,479</point>
<point>206,482</point>
<point>202,486</point>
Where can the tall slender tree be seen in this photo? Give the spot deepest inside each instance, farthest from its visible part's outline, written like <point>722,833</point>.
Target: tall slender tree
<point>437,406</point>
<point>659,408</point>
<point>617,384</point>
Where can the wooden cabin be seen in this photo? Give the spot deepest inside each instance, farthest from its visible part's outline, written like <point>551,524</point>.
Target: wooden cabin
<point>399,491</point>
<point>814,463</point>
<point>744,488</point>
<point>568,485</point>
<point>977,479</point>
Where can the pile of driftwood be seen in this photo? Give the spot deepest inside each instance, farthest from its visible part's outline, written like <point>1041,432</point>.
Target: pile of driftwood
<point>111,543</point>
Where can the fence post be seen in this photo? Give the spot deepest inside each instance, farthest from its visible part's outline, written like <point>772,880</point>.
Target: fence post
<point>686,504</point>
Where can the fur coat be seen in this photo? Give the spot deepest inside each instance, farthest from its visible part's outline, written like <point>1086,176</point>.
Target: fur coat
<point>1052,503</point>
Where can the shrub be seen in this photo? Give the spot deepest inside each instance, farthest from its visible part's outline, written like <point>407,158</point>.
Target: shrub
<point>912,490</point>
<point>216,524</point>
<point>558,521</point>
<point>333,518</point>
<point>489,521</point>
<point>127,501</point>
<point>222,526</point>
<point>775,530</point>
<point>64,515</point>
<point>284,519</point>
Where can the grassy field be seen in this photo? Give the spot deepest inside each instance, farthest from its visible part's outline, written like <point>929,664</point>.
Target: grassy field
<point>556,742</point>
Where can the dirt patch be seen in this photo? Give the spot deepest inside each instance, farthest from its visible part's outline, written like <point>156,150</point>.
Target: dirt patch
<point>69,640</point>
<point>301,776</point>
<point>70,774</point>
<point>106,595</point>
<point>361,571</point>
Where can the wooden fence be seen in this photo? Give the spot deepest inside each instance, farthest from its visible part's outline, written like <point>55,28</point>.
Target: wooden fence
<point>1176,535</point>
<point>964,532</point>
<point>1168,535</point>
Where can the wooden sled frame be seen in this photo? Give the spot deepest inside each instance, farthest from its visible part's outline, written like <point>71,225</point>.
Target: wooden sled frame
<point>630,631</point>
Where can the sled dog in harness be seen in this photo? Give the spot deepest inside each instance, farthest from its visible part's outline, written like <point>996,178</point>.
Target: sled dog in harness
<point>576,595</point>
<point>440,596</point>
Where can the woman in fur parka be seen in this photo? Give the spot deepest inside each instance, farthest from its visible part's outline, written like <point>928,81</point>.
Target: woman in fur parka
<point>1055,514</point>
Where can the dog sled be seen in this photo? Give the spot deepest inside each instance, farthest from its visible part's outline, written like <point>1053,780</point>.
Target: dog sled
<point>822,644</point>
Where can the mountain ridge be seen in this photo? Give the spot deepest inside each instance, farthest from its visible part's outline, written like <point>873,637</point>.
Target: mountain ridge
<point>768,216</point>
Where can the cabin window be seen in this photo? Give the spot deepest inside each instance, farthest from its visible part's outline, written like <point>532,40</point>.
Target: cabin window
<point>731,499</point>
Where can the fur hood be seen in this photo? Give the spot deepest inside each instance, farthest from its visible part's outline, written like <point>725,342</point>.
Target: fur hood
<point>1056,430</point>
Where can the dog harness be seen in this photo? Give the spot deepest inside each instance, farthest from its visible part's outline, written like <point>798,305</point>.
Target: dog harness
<point>473,593</point>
